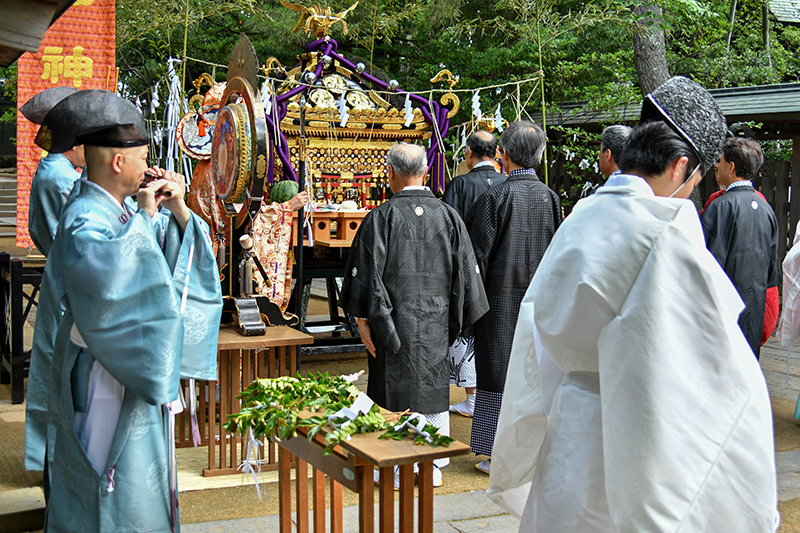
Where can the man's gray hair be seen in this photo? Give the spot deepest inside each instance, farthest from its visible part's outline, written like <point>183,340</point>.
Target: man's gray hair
<point>524,143</point>
<point>614,139</point>
<point>408,160</point>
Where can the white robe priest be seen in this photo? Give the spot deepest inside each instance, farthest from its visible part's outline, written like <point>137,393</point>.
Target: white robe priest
<point>662,421</point>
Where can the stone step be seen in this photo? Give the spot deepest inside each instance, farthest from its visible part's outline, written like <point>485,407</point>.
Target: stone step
<point>22,510</point>
<point>8,181</point>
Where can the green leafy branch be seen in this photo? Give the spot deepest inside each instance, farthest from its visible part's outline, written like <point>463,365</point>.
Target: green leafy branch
<point>271,407</point>
<point>406,431</point>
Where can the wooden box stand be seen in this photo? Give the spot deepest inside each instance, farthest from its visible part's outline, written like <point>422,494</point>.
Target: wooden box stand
<point>347,224</point>
<point>240,360</point>
<point>352,465</point>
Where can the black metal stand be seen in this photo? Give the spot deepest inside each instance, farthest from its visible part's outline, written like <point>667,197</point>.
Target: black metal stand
<point>14,363</point>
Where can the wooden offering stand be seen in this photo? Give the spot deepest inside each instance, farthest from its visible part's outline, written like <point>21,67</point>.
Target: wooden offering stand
<point>347,224</point>
<point>351,465</point>
<point>240,360</point>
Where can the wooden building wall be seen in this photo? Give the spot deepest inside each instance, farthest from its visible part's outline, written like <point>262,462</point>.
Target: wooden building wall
<point>776,185</point>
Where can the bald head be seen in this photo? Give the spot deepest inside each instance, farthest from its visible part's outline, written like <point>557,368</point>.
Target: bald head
<point>408,165</point>
<point>99,156</point>
<point>482,145</point>
<point>408,160</point>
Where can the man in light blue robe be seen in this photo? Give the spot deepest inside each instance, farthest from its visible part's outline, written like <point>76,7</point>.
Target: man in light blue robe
<point>142,304</point>
<point>55,177</point>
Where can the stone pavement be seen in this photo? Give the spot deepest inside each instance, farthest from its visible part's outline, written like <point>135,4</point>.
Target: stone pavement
<point>470,512</point>
<point>466,512</point>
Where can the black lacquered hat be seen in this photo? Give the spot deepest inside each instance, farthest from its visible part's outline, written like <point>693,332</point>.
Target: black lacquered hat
<point>40,105</point>
<point>692,113</point>
<point>95,118</point>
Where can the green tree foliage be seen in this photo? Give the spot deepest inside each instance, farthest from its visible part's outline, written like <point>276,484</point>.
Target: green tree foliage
<point>8,94</point>
<point>584,49</point>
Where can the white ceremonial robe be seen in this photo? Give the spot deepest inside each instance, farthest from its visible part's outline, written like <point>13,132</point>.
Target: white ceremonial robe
<point>662,421</point>
<point>789,326</point>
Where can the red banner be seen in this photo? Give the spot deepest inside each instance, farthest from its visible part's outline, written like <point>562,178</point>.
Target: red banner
<point>77,51</point>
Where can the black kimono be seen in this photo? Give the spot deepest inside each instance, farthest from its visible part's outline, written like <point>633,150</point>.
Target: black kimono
<point>511,226</point>
<point>464,190</point>
<point>741,232</point>
<point>412,273</point>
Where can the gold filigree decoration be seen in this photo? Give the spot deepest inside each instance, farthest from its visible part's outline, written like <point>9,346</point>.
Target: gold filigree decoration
<point>288,84</point>
<point>447,76</point>
<point>196,101</point>
<point>261,167</point>
<point>204,79</point>
<point>448,98</point>
<point>378,100</point>
<point>314,19</point>
<point>273,64</point>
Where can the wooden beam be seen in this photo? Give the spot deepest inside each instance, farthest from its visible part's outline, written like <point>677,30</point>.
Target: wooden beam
<point>24,22</point>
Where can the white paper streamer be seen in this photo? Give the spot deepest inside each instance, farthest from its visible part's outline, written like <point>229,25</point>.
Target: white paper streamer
<point>176,107</point>
<point>476,105</point>
<point>419,427</point>
<point>408,110</point>
<point>344,116</point>
<point>266,97</point>
<point>362,404</point>
<point>498,119</point>
<point>154,101</point>
<point>246,467</point>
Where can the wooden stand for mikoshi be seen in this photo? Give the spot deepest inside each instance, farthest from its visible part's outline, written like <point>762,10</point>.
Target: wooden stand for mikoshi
<point>240,360</point>
<point>347,224</point>
<point>352,465</point>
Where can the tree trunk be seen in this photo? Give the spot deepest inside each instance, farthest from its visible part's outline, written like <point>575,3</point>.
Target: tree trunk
<point>649,47</point>
<point>731,19</point>
<point>765,31</point>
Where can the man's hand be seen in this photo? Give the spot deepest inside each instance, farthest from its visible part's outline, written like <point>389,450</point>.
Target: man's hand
<point>299,200</point>
<point>366,335</point>
<point>168,191</point>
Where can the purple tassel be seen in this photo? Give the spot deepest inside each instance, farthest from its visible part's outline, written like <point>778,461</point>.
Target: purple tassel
<point>196,439</point>
<point>173,507</point>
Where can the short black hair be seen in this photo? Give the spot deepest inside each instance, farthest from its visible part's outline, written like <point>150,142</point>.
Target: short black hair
<point>613,139</point>
<point>651,147</point>
<point>482,148</point>
<point>524,143</point>
<point>745,154</point>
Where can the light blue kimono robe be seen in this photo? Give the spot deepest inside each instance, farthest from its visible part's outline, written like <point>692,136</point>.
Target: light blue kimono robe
<point>54,178</point>
<point>52,184</point>
<point>120,277</point>
<point>49,196</point>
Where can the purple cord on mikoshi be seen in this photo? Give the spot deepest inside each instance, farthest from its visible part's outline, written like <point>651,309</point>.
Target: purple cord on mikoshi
<point>434,113</point>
